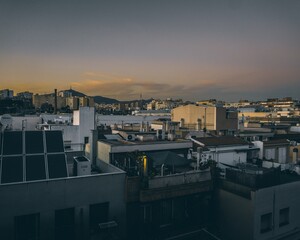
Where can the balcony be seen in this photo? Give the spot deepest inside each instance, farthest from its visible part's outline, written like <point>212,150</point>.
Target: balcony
<point>169,186</point>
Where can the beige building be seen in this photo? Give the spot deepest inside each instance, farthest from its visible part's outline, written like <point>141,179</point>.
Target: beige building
<point>211,118</point>
<point>38,100</point>
<point>75,102</point>
<point>86,102</point>
<point>72,102</point>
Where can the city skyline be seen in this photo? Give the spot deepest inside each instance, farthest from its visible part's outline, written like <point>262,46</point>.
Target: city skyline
<point>227,50</point>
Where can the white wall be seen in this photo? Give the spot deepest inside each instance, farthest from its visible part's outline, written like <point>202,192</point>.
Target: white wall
<point>271,200</point>
<point>260,145</point>
<point>30,122</point>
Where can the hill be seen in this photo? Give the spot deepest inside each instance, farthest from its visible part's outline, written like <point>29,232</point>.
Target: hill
<point>100,99</point>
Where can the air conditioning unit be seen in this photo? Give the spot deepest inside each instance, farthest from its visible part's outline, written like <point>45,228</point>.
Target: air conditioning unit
<point>160,134</point>
<point>82,166</point>
<point>130,137</point>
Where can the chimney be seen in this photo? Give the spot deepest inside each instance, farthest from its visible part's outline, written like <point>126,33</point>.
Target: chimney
<point>55,101</point>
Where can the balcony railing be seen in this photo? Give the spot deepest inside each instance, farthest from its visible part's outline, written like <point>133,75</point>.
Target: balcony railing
<point>179,178</point>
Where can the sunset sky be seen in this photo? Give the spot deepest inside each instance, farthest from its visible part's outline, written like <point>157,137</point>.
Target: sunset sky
<point>190,49</point>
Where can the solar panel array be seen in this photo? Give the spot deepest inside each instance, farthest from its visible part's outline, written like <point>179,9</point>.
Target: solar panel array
<point>31,156</point>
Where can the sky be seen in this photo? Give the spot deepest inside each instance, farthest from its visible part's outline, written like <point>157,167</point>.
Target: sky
<point>189,49</point>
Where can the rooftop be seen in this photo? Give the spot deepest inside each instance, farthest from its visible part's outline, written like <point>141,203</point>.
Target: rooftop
<point>138,143</point>
<point>221,141</point>
<point>276,142</point>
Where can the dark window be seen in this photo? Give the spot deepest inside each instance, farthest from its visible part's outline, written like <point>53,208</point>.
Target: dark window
<point>12,169</point>
<point>27,227</point>
<point>284,217</point>
<point>35,168</point>
<point>54,141</point>
<point>34,142</point>
<point>266,223</point>
<point>64,224</point>
<point>86,140</point>
<point>12,143</point>
<point>57,166</point>
<point>98,214</point>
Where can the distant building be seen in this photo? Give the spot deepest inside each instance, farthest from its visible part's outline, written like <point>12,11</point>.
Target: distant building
<point>25,95</point>
<point>220,120</point>
<point>274,151</point>
<point>226,151</point>
<point>39,100</point>
<point>6,93</point>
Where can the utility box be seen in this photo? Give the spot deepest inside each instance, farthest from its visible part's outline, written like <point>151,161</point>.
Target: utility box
<point>82,166</point>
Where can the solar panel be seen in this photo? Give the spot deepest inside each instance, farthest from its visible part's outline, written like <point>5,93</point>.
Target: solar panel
<point>57,166</point>
<point>12,143</point>
<point>12,169</point>
<point>35,168</point>
<point>54,141</point>
<point>34,142</point>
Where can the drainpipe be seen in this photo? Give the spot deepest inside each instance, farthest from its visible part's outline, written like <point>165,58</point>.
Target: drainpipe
<point>162,170</point>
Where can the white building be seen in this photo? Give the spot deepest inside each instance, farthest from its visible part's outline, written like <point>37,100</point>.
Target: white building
<point>226,150</point>
<point>276,151</point>
<point>251,212</point>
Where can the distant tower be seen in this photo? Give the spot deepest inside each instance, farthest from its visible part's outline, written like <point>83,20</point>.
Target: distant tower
<point>141,101</point>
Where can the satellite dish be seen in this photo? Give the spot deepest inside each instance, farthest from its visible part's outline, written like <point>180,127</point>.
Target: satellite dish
<point>6,121</point>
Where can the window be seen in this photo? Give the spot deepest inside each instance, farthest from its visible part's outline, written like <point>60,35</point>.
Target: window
<point>27,227</point>
<point>64,224</point>
<point>284,217</point>
<point>266,223</point>
<point>98,214</point>
<point>86,140</point>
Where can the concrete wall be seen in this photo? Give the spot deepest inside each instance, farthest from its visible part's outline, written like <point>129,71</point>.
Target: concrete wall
<point>180,178</point>
<point>166,145</point>
<point>30,122</point>
<point>45,197</point>
<point>103,152</point>
<point>231,158</point>
<point>226,120</point>
<point>260,145</point>
<point>235,216</point>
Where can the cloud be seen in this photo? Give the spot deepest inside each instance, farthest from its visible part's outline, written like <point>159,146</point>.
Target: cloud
<point>119,87</point>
